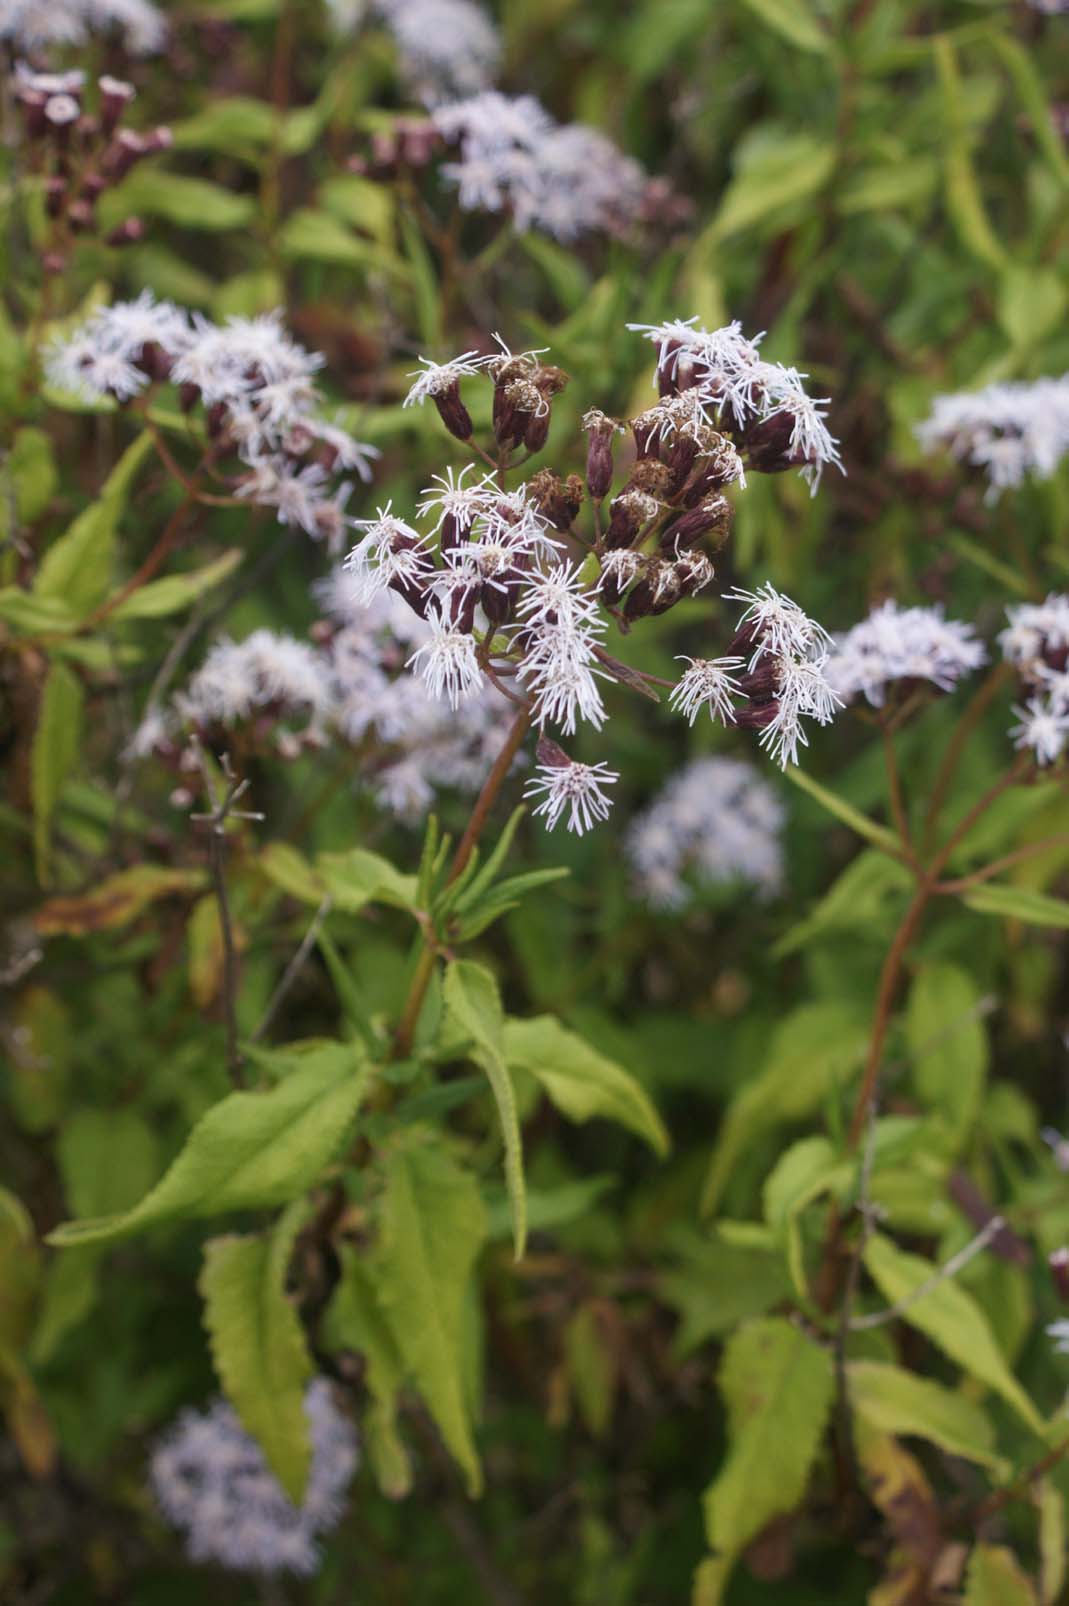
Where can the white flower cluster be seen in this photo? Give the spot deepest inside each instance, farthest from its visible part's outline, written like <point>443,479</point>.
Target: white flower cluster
<point>256,383</point>
<point>715,822</point>
<point>31,25</point>
<point>764,404</point>
<point>447,48</point>
<point>564,179</point>
<point>212,1483</point>
<point>1011,430</point>
<point>895,644</point>
<point>783,681</point>
<point>1036,642</point>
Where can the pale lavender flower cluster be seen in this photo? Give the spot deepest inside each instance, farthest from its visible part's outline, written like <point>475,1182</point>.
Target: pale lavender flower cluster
<point>1036,642</point>
<point>765,405</point>
<point>895,645</point>
<point>1011,430</point>
<point>447,48</point>
<point>32,25</point>
<point>256,385</point>
<point>716,822</point>
<point>211,1482</point>
<point>563,179</point>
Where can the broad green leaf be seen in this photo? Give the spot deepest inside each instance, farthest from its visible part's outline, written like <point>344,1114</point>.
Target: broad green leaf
<point>947,1041</point>
<point>76,569</point>
<point>808,1169</point>
<point>795,21</point>
<point>786,171</point>
<point>888,187</point>
<point>108,1159</point>
<point>57,743</point>
<point>191,203</point>
<point>860,899</point>
<point>284,865</point>
<point>356,1321</point>
<point>324,238</point>
<point>432,1228</point>
<point>1031,304</point>
<point>238,125</point>
<point>1018,903</point>
<point>715,1285</point>
<point>251,1150</point>
<point>473,1005</point>
<point>258,1345</point>
<point>176,591</point>
<point>814,1050</point>
<point>115,901</point>
<point>877,834</point>
<point>30,615</point>
<point>898,1402</point>
<point>581,1082</point>
<point>1053,1557</point>
<point>996,1578</point>
<point>777,1387</point>
<point>359,877</point>
<point>951,1318</point>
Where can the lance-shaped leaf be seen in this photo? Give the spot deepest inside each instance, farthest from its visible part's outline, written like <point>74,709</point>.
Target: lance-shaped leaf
<point>777,1386</point>
<point>251,1150</point>
<point>358,877</point>
<point>432,1227</point>
<point>76,569</point>
<point>474,1006</point>
<point>56,745</point>
<point>892,1400</point>
<point>951,1318</point>
<point>258,1345</point>
<point>580,1081</point>
<point>355,1320</point>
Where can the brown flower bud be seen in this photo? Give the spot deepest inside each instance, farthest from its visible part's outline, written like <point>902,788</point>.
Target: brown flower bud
<point>710,520</point>
<point>115,96</point>
<point>693,573</point>
<point>558,500</point>
<point>768,444</point>
<point>619,570</point>
<point>601,430</point>
<point>629,513</point>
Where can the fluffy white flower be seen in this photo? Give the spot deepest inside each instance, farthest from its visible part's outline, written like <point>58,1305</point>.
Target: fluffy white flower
<point>714,822</point>
<point>448,661</point>
<point>1043,728</point>
<point>573,788</point>
<point>446,47</point>
<point>211,1482</point>
<point>1013,430</point>
<point>1034,630</point>
<point>390,550</point>
<point>708,683</point>
<point>437,377</point>
<point>30,24</point>
<point>778,626</point>
<point>895,644</point>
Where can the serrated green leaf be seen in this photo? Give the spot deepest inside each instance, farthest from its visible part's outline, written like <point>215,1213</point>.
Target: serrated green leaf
<point>951,1318</point>
<point>356,1321</point>
<point>898,1402</point>
<point>581,1082</point>
<point>258,1345</point>
<point>76,569</point>
<point>251,1150</point>
<point>472,1002</point>
<point>777,1387</point>
<point>432,1227</point>
<point>57,743</point>
<point>947,1041</point>
<point>176,591</point>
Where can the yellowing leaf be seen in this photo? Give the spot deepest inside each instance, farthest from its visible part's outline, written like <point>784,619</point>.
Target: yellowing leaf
<point>115,901</point>
<point>996,1578</point>
<point>898,1402</point>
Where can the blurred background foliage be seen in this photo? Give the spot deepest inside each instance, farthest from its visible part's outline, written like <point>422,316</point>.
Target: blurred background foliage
<point>881,185</point>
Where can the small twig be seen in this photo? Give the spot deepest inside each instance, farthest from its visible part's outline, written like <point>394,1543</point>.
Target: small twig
<point>293,969</point>
<point>222,810</point>
<point>950,1269</point>
<point>1021,1489</point>
<point>1029,851</point>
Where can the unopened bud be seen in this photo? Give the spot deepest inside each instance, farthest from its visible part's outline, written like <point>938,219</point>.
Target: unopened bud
<point>601,430</point>
<point>619,570</point>
<point>710,520</point>
<point>127,233</point>
<point>1058,1261</point>
<point>768,444</point>
<point>452,411</point>
<point>558,500</point>
<point>115,96</point>
<point>629,513</point>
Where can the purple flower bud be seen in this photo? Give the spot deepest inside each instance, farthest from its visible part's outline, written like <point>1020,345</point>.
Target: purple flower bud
<point>115,96</point>
<point>1058,1261</point>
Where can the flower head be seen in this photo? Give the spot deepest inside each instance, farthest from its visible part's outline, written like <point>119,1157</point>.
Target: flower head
<point>708,683</point>
<point>566,786</point>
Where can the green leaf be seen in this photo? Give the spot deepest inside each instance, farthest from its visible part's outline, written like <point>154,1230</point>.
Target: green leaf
<point>323,238</point>
<point>950,1317</point>
<point>964,199</point>
<point>30,615</point>
<point>996,1578</point>
<point>237,125</point>
<point>777,1386</point>
<point>717,1284</point>
<point>1018,903</point>
<point>176,591</point>
<point>878,835</point>
<point>814,1051</point>
<point>288,868</point>
<point>795,21</point>
<point>251,1150</point>
<point>887,187</point>
<point>432,1228</point>
<point>359,877</point>
<point>581,1082</point>
<point>947,1041</point>
<point>29,470</point>
<point>592,1366</point>
<point>858,900</point>
<point>895,1401</point>
<point>1031,304</point>
<point>547,1208</point>
<point>807,1170</point>
<point>472,1002</point>
<point>76,569</point>
<point>784,171</point>
<point>191,203</point>
<point>355,1320</point>
<point>57,742</point>
<point>258,1345</point>
<point>1033,99</point>
<point>37,1062</point>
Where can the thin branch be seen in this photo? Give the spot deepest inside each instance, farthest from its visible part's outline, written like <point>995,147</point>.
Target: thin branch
<point>294,968</point>
<point>1029,851</point>
<point>956,1263</point>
